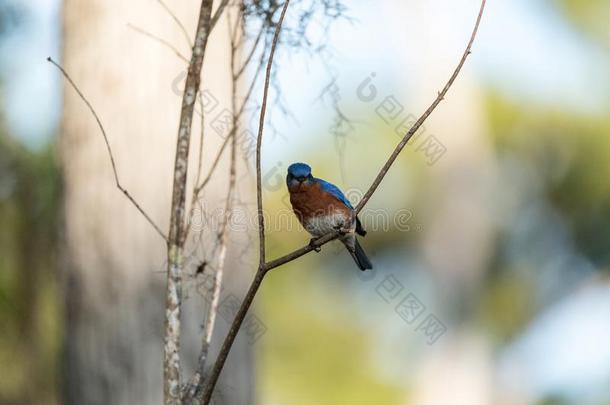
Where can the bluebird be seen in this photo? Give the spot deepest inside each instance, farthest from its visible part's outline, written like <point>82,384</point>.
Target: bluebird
<point>322,208</point>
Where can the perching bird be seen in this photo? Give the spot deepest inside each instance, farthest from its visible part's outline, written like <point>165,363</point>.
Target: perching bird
<point>322,208</point>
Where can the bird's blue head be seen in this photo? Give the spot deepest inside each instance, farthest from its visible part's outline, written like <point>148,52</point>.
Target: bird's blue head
<point>298,174</point>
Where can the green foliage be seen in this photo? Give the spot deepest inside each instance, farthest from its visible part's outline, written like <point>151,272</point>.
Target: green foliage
<point>591,16</point>
<point>571,152</point>
<point>507,305</point>
<point>29,296</point>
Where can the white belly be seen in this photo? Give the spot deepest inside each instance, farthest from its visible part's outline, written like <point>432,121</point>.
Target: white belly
<point>323,224</point>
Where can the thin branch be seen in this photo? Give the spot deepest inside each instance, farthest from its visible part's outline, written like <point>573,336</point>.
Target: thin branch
<point>208,177</point>
<point>230,137</point>
<point>232,31</point>
<point>260,274</point>
<point>160,40</point>
<point>177,231</point>
<point>316,243</point>
<point>201,106</point>
<point>332,236</point>
<point>235,326</point>
<point>250,90</point>
<point>193,390</point>
<point>180,25</point>
<point>424,116</point>
<point>233,133</point>
<point>218,13</point>
<point>259,139</point>
<point>213,21</point>
<point>177,21</point>
<point>264,267</point>
<point>223,234</point>
<point>250,55</point>
<point>199,161</point>
<point>200,157</point>
<point>109,149</point>
<point>199,188</point>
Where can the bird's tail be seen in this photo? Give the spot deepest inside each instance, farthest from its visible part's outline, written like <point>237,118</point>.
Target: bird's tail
<point>360,257</point>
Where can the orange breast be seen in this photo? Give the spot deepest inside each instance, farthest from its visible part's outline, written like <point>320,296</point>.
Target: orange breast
<point>312,201</point>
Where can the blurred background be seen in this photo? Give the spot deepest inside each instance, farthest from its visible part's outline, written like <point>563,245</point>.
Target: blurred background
<point>489,235</point>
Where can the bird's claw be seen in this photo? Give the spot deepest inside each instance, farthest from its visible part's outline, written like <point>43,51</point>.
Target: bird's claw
<point>312,244</point>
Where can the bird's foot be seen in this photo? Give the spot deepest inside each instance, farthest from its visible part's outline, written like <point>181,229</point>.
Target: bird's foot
<point>312,244</point>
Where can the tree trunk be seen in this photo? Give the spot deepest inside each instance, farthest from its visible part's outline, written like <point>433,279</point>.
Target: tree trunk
<point>115,261</point>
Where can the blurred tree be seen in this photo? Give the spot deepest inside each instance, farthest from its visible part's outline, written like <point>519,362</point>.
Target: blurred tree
<point>115,261</point>
<point>29,308</point>
<point>11,17</point>
<point>29,304</point>
<point>570,152</point>
<point>591,16</point>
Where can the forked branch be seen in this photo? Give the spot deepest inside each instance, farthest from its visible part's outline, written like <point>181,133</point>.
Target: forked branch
<point>241,314</point>
<point>192,391</point>
<point>265,266</point>
<point>440,97</point>
<point>109,149</point>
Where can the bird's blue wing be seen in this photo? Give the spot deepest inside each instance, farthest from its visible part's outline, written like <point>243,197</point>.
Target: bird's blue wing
<point>334,190</point>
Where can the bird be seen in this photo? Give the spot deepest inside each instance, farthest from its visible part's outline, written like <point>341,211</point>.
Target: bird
<point>322,208</point>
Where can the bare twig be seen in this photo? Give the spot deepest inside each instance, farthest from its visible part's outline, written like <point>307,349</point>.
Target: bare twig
<point>259,140</point>
<point>213,20</point>
<point>160,40</point>
<point>178,22</point>
<point>323,240</point>
<point>260,274</point>
<point>193,390</point>
<point>228,342</point>
<point>233,133</point>
<point>200,157</point>
<point>264,267</point>
<point>114,170</point>
<point>208,177</point>
<point>257,73</point>
<point>218,13</point>
<point>223,234</point>
<point>233,31</point>
<point>200,186</point>
<point>200,97</point>
<point>202,114</point>
<point>177,233</point>
<point>250,55</point>
<point>440,97</point>
<point>332,236</point>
